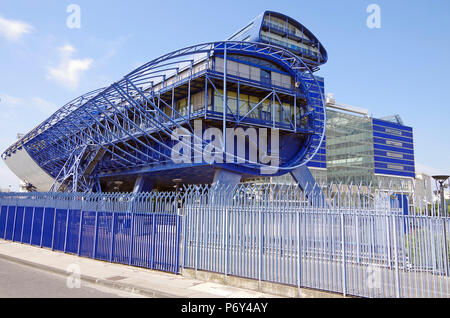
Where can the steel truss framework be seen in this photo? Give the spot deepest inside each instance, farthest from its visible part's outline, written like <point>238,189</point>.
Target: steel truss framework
<point>129,124</point>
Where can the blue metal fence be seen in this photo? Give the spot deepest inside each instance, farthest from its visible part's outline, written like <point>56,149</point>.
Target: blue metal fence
<point>352,240</point>
<point>141,229</point>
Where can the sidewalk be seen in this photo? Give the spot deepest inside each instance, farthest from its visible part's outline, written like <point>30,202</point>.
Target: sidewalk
<point>141,281</point>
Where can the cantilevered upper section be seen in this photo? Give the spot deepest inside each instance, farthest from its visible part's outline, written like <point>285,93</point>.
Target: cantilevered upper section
<point>278,29</point>
<point>182,116</point>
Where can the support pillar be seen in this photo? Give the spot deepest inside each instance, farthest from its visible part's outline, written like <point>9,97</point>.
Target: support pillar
<point>306,182</point>
<point>143,184</point>
<point>224,177</point>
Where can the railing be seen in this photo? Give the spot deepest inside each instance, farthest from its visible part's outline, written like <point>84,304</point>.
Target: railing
<point>354,240</point>
<point>141,230</point>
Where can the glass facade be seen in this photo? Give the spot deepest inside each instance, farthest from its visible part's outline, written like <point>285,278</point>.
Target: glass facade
<point>349,148</point>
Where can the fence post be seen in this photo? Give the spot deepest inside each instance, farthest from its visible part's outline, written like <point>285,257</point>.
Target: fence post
<point>80,232</point>
<point>113,231</point>
<point>6,221</point>
<point>260,247</point>
<point>53,230</point>
<point>42,225</point>
<point>153,239</point>
<point>94,249</point>
<point>397,281</point>
<point>196,243</point>
<point>225,236</point>
<point>23,222</point>
<point>388,239</point>
<point>444,219</point>
<point>344,274</point>
<point>66,234</point>
<point>358,248</point>
<point>32,225</point>
<point>299,254</point>
<point>178,243</point>
<point>15,220</point>
<point>184,225</point>
<point>130,259</point>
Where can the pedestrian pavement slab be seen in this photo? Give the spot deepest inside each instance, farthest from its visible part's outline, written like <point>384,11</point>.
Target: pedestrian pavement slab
<point>141,281</point>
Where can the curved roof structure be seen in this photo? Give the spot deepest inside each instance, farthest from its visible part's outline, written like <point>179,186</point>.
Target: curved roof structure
<point>278,29</point>
<point>126,130</point>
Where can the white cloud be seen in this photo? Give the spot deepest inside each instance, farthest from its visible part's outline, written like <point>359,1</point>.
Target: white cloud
<point>10,101</point>
<point>45,106</point>
<point>69,70</point>
<point>431,171</point>
<point>12,106</point>
<point>14,30</point>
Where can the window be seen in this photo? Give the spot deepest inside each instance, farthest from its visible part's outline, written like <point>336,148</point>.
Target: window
<point>265,77</point>
<point>394,143</point>
<point>395,167</point>
<point>395,155</point>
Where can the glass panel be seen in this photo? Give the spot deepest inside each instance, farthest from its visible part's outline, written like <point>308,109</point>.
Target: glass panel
<point>349,148</point>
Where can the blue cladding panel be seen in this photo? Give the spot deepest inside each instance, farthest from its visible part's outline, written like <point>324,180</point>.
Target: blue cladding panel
<point>104,235</point>
<point>37,226</point>
<point>3,213</point>
<point>49,214</point>
<point>18,227</point>
<point>87,234</point>
<point>383,141</point>
<point>393,160</point>
<point>389,124</point>
<point>10,222</point>
<point>140,239</point>
<point>73,231</point>
<point>393,149</point>
<point>27,225</point>
<point>122,233</point>
<point>382,165</point>
<point>60,229</point>
<point>384,153</point>
<point>143,239</point>
<point>165,243</point>
<point>396,173</point>
<point>393,137</point>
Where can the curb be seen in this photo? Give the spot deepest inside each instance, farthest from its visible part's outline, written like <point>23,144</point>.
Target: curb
<point>93,280</point>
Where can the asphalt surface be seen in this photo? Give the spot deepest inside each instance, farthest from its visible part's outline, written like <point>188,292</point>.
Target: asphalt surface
<point>19,281</point>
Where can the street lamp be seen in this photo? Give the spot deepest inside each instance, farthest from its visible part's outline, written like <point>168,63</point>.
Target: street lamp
<point>441,180</point>
<point>177,182</point>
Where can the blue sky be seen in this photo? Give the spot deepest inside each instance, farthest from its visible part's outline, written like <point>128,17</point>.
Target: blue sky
<point>402,68</point>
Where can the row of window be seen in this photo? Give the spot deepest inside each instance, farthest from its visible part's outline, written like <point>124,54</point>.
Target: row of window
<point>278,23</point>
<point>266,111</point>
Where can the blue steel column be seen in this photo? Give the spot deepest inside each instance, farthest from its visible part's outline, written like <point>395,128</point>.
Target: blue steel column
<point>53,230</point>
<point>15,218</point>
<point>43,221</point>
<point>80,232</point>
<point>113,230</point>
<point>224,125</point>
<point>67,226</point>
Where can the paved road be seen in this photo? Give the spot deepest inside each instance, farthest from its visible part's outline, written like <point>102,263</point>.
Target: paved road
<point>19,281</point>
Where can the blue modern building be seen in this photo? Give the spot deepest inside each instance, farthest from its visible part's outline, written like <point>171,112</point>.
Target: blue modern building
<point>218,112</point>
<point>364,149</point>
<point>359,149</point>
<point>393,148</point>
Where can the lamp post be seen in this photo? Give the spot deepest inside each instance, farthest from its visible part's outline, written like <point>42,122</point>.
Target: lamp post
<point>177,182</point>
<point>441,180</point>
